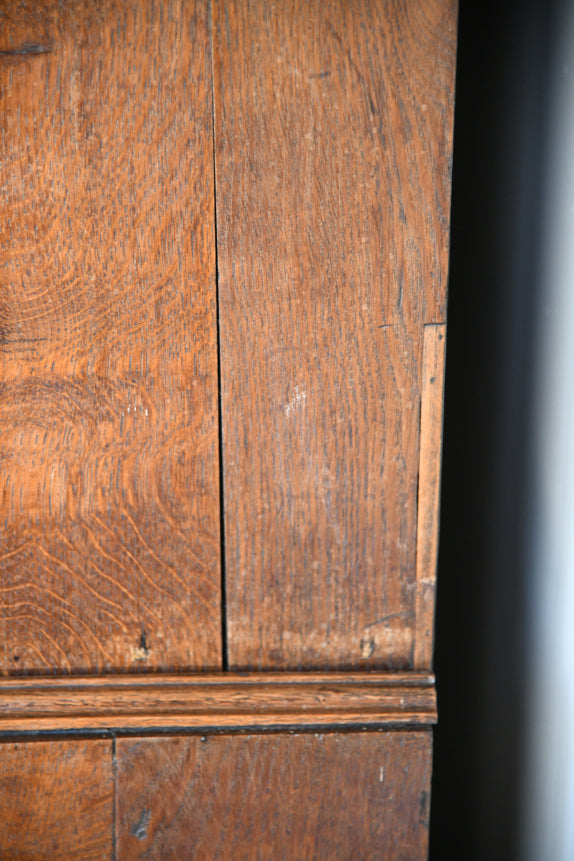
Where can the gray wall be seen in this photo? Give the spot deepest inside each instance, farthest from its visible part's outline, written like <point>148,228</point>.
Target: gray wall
<point>504,748</point>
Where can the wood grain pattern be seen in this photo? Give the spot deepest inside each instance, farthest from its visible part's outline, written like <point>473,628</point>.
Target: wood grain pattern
<point>333,141</point>
<point>218,702</point>
<point>429,489</point>
<point>283,797</point>
<point>109,484</point>
<point>56,801</point>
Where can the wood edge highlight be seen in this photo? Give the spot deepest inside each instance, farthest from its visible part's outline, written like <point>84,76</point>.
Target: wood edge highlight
<point>434,349</point>
<point>217,703</point>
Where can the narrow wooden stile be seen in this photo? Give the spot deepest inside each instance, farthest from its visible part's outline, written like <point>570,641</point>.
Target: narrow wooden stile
<point>429,489</point>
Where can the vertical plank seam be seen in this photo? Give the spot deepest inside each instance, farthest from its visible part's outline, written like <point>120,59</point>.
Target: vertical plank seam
<point>428,495</point>
<point>223,599</point>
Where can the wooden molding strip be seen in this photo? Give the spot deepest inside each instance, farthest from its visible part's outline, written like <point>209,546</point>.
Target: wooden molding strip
<point>225,702</point>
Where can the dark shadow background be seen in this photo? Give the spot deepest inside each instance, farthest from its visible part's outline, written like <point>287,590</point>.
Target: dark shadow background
<point>501,113</point>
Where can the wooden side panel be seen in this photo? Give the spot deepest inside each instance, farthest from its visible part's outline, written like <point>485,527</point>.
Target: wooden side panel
<point>333,144</point>
<point>354,796</point>
<point>56,800</point>
<point>109,488</point>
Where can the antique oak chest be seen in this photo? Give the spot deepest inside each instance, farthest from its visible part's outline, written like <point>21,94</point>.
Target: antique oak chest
<point>223,269</point>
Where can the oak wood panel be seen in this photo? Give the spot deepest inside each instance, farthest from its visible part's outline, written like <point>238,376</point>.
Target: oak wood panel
<point>333,141</point>
<point>56,800</point>
<point>429,489</point>
<point>109,485</point>
<point>281,797</point>
<point>226,702</point>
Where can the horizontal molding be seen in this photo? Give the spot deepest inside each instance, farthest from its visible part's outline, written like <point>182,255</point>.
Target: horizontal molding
<point>226,702</point>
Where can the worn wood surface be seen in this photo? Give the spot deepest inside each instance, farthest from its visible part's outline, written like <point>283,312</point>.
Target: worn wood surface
<point>429,489</point>
<point>332,149</point>
<point>109,484</point>
<point>314,797</point>
<point>56,801</point>
<point>333,142</point>
<point>225,702</point>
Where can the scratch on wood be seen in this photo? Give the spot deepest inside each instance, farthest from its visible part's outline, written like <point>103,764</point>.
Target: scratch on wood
<point>26,50</point>
<point>140,828</point>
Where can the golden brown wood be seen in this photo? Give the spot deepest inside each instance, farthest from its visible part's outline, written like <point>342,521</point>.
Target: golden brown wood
<point>224,702</point>
<point>332,143</point>
<point>310,797</point>
<point>56,801</point>
<point>109,487</point>
<point>333,140</point>
<point>429,489</point>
